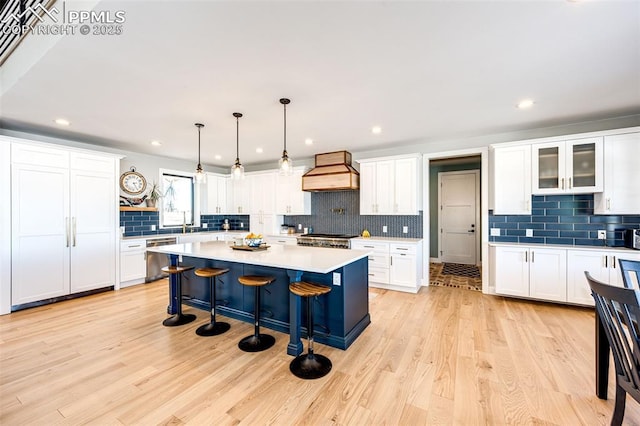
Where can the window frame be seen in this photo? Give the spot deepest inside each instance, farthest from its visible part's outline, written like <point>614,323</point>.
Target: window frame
<point>195,198</point>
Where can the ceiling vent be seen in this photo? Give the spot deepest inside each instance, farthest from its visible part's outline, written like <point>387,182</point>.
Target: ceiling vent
<point>333,172</point>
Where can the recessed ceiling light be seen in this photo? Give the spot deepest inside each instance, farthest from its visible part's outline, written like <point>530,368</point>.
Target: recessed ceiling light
<point>308,141</point>
<point>259,150</point>
<point>156,143</point>
<point>62,122</point>
<point>525,103</point>
<point>218,157</point>
<point>376,130</point>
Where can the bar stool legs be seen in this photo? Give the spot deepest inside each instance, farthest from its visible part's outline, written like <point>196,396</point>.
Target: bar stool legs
<point>213,328</point>
<point>178,318</point>
<point>309,365</point>
<point>256,342</point>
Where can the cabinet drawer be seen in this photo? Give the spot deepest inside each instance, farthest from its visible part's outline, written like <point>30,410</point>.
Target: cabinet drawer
<point>378,260</point>
<point>403,249</point>
<point>133,245</point>
<point>378,247</point>
<point>379,275</point>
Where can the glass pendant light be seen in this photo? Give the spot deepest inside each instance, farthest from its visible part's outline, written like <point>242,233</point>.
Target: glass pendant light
<point>237,170</point>
<point>285,164</point>
<point>201,177</point>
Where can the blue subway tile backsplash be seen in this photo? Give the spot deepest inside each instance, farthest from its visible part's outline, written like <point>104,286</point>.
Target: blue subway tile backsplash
<point>137,224</point>
<point>563,219</point>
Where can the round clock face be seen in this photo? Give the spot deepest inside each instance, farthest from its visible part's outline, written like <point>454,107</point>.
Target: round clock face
<point>133,183</point>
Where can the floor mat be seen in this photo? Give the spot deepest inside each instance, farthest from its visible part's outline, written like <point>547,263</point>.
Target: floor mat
<point>439,279</point>
<point>471,271</point>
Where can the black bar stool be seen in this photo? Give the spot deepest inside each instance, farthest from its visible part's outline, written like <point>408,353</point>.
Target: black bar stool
<point>213,328</point>
<point>256,342</point>
<point>178,318</point>
<point>309,365</point>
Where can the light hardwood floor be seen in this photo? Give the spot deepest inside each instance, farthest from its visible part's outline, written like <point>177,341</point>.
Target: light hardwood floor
<point>443,356</point>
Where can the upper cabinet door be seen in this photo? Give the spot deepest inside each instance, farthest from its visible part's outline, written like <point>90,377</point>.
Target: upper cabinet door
<point>511,180</point>
<point>568,167</point>
<point>584,163</point>
<point>621,192</point>
<point>548,168</point>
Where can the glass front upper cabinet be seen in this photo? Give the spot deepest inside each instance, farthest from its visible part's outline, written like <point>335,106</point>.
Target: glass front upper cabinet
<point>572,166</point>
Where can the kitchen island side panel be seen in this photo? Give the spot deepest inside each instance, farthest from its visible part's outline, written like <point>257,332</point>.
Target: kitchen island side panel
<point>340,316</point>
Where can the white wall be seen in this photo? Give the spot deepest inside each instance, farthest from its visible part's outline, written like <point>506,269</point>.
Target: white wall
<point>5,227</point>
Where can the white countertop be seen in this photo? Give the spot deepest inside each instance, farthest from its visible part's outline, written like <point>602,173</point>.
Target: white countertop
<point>564,246</point>
<point>309,259</point>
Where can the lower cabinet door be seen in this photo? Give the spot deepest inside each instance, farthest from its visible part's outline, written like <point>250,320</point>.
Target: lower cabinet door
<point>403,270</point>
<point>578,261</point>
<point>512,271</point>
<point>548,274</point>
<point>133,265</point>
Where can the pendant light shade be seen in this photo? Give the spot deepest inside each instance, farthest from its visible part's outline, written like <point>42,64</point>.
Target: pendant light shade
<point>200,176</point>
<point>237,170</point>
<point>285,164</point>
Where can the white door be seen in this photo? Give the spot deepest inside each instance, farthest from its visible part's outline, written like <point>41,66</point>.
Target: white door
<point>458,215</point>
<point>40,233</point>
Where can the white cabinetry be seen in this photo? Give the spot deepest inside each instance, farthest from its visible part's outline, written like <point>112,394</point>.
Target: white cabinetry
<point>241,196</point>
<point>621,193</point>
<point>284,240</point>
<point>601,265</point>
<point>133,265</point>
<point>390,186</point>
<point>405,265</point>
<point>261,188</point>
<point>511,180</point>
<point>217,197</point>
<point>530,272</point>
<point>393,265</point>
<point>290,198</point>
<point>63,222</point>
<point>570,166</point>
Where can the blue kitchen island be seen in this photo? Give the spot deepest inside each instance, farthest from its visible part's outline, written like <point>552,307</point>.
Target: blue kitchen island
<point>339,316</point>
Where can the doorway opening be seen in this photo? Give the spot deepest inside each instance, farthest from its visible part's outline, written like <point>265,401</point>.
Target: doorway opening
<point>455,223</point>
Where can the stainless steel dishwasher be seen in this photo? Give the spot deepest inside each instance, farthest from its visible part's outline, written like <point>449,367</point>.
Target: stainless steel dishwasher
<point>155,261</point>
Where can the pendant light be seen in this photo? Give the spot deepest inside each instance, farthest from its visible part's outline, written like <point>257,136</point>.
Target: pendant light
<point>201,177</point>
<point>237,170</point>
<point>285,164</point>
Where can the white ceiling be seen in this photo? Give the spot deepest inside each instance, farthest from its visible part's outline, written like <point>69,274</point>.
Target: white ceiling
<point>424,71</point>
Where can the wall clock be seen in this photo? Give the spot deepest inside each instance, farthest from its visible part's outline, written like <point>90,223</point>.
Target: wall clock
<point>133,182</point>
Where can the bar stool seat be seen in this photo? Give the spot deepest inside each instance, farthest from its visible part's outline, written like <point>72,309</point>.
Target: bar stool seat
<point>309,365</point>
<point>213,328</point>
<point>256,342</point>
<point>178,318</point>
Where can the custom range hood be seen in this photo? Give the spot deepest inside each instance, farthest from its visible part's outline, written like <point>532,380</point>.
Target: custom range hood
<point>333,172</point>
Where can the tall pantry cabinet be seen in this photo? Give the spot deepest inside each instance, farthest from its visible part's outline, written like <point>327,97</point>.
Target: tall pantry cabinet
<point>63,221</point>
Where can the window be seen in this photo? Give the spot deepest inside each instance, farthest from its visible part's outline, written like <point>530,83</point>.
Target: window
<point>178,200</point>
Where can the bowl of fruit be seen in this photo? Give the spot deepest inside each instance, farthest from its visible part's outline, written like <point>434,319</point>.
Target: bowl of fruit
<point>253,240</point>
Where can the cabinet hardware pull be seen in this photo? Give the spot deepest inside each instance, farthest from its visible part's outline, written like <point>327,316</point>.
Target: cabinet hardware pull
<point>74,231</point>
<point>368,246</point>
<point>145,255</point>
<point>66,225</point>
<point>401,248</point>
<point>532,256</point>
<point>526,257</point>
<point>137,245</point>
<point>391,260</point>
<point>370,275</point>
<point>606,261</point>
<point>570,183</point>
<point>608,203</point>
<point>613,265</point>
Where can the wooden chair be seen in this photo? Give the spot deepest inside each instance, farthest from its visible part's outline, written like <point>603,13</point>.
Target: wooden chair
<point>619,309</point>
<point>630,273</point>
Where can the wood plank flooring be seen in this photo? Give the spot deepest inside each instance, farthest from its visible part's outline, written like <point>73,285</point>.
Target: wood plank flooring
<point>443,356</point>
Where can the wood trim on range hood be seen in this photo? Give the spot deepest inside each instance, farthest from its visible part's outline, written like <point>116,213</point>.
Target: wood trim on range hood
<point>333,172</point>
